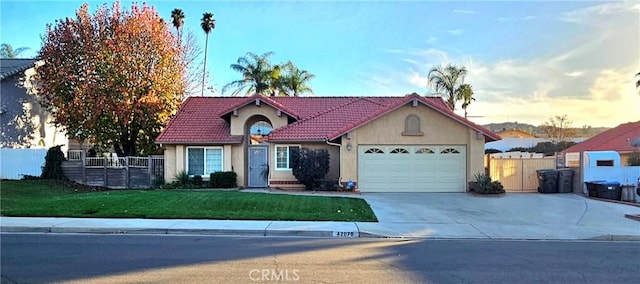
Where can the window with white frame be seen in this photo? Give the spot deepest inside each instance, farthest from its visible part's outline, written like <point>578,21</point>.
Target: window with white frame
<point>283,157</point>
<point>203,161</point>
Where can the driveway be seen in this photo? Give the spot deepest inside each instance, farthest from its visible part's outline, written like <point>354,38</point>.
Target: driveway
<point>514,215</point>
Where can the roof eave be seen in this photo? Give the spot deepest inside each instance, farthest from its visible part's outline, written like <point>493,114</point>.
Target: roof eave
<point>305,140</point>
<point>199,143</point>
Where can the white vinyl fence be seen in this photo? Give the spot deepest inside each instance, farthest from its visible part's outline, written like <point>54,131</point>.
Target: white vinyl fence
<point>16,163</point>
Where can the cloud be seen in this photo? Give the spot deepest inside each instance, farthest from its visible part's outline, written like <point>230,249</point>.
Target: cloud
<point>587,76</point>
<point>575,73</point>
<point>587,15</point>
<point>505,19</point>
<point>461,11</point>
<point>432,40</point>
<point>456,31</point>
<point>532,91</point>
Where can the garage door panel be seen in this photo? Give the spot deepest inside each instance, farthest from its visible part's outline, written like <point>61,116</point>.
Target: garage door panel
<point>420,168</point>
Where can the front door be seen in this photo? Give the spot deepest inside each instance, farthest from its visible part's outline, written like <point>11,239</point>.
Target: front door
<point>258,166</point>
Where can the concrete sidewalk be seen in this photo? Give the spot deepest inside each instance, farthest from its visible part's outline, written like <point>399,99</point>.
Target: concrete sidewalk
<point>400,215</point>
<point>173,226</point>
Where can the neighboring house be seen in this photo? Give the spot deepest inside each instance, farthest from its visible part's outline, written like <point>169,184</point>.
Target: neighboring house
<point>23,122</point>
<point>515,133</point>
<point>383,144</point>
<point>520,139</point>
<point>616,139</point>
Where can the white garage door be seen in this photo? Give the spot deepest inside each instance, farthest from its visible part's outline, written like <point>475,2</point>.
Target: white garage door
<point>426,168</point>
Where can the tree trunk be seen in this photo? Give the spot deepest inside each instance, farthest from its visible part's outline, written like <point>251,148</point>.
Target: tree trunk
<point>204,68</point>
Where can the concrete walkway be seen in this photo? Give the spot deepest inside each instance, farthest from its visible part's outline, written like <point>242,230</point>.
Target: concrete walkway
<point>400,215</point>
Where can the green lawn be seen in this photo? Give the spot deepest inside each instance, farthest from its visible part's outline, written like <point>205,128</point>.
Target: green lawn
<point>50,199</point>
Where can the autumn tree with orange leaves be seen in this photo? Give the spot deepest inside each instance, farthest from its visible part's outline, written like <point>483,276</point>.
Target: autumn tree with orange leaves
<point>113,78</point>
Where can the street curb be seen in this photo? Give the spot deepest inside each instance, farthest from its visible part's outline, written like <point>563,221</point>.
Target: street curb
<point>616,238</point>
<point>160,231</point>
<point>20,229</point>
<point>273,233</point>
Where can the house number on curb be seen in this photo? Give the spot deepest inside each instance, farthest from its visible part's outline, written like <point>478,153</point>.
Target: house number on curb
<point>345,234</point>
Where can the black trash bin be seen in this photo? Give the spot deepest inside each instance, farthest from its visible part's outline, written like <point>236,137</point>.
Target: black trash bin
<point>565,180</point>
<point>547,181</point>
<point>592,187</point>
<point>609,190</point>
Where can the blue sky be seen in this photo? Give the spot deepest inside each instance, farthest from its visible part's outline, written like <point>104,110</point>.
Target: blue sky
<point>527,61</point>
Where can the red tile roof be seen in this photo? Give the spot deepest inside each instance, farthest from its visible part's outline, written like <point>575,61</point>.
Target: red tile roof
<point>615,139</point>
<point>264,99</point>
<point>200,121</point>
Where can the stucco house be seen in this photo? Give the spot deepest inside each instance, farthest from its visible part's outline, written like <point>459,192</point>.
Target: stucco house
<point>23,122</point>
<point>619,139</point>
<point>382,144</point>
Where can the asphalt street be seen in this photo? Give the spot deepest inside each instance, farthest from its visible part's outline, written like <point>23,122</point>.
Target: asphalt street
<point>86,258</point>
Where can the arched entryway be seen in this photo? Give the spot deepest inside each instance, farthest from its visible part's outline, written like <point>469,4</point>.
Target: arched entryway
<point>258,130</point>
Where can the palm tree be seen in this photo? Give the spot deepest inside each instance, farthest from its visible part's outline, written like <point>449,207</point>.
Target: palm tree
<point>177,18</point>
<point>446,80</point>
<point>465,94</point>
<point>6,51</point>
<point>294,81</point>
<point>208,24</point>
<point>258,76</point>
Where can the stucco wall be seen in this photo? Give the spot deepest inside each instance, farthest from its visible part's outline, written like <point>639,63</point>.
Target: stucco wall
<point>438,129</point>
<point>24,122</point>
<point>238,152</point>
<point>277,176</point>
<point>475,155</point>
<point>175,160</point>
<point>170,163</point>
<point>238,123</point>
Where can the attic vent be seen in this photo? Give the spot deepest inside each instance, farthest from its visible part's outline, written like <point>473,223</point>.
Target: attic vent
<point>412,126</point>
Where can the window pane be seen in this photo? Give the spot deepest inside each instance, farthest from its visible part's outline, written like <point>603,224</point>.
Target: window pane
<point>195,161</point>
<point>214,161</point>
<point>282,157</point>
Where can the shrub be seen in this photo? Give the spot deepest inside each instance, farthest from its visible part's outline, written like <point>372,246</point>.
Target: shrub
<point>634,159</point>
<point>53,164</point>
<point>158,182</point>
<point>310,166</point>
<point>483,185</point>
<point>196,181</point>
<point>329,185</point>
<point>182,180</point>
<point>30,177</point>
<point>223,180</point>
<point>492,151</point>
<point>519,149</point>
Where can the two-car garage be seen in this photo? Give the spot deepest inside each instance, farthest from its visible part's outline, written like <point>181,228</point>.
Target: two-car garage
<point>412,168</point>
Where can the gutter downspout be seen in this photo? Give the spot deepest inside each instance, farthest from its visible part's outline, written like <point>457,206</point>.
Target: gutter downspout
<point>339,151</point>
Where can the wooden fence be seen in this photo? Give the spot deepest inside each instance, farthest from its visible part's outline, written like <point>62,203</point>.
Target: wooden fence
<point>113,172</point>
<point>519,174</point>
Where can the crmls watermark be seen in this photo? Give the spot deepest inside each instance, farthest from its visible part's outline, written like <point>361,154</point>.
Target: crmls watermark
<point>274,275</point>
